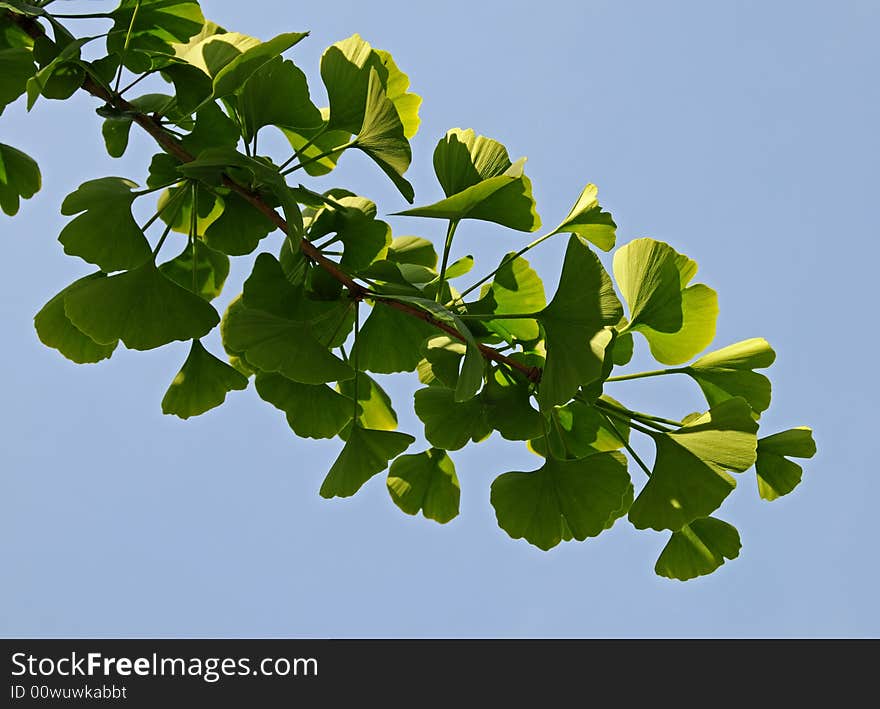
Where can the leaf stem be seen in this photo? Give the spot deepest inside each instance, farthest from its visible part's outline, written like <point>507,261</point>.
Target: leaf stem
<point>172,200</point>
<point>320,156</point>
<point>161,241</point>
<point>497,316</point>
<point>134,13</point>
<point>642,375</point>
<point>450,233</point>
<point>645,418</point>
<point>354,359</point>
<point>504,262</point>
<point>297,153</point>
<point>193,231</point>
<point>626,444</point>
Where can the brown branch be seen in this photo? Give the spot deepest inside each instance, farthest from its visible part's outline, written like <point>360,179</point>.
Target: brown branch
<point>171,146</point>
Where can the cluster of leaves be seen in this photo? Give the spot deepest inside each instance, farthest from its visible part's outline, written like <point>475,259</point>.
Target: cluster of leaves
<point>495,356</point>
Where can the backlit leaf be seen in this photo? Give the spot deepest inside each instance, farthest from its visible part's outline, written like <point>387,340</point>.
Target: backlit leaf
<point>777,475</point>
<point>365,454</point>
<point>697,549</point>
<point>425,482</point>
<point>202,384</point>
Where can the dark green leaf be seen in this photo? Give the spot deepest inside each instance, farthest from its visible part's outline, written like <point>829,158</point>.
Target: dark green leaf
<point>151,27</point>
<point>427,482</point>
<point>366,453</point>
<point>206,277</point>
<point>575,324</point>
<point>391,341</point>
<point>778,476</point>
<point>688,481</point>
<point>55,329</point>
<point>577,430</point>
<point>450,424</point>
<point>106,233</point>
<point>313,410</point>
<point>376,411</point>
<point>16,67</point>
<point>19,178</point>
<point>515,289</point>
<point>201,384</point>
<point>698,549</point>
<point>576,497</point>
<point>141,307</point>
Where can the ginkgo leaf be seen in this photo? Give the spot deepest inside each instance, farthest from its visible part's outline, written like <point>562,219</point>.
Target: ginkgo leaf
<point>728,372</point>
<point>345,71</point>
<point>239,228</point>
<point>777,475</point>
<point>507,407</point>
<point>319,149</point>
<point>16,67</point>
<point>382,138</point>
<point>678,320</point>
<point>649,280</point>
<point>59,78</point>
<point>199,269</point>
<point>104,202</point>
<point>277,94</point>
<point>425,482</point>
<point>201,384</point>
<point>142,28</point>
<point>577,430</point>
<point>463,159</point>
<point>55,329</point>
<point>697,549</point>
<point>412,250</point>
<point>506,200</point>
<point>515,289</point>
<point>19,178</point>
<point>366,453</point>
<point>587,220</point>
<point>313,410</point>
<point>575,324</point>
<point>688,481</point>
<point>141,307</point>
<point>450,424</point>
<point>390,341</point>
<point>117,128</point>
<point>561,498</point>
<point>375,405</point>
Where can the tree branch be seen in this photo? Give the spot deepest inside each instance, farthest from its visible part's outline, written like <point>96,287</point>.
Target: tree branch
<point>171,146</point>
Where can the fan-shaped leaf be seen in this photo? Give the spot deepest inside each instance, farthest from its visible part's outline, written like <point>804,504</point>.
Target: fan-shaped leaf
<point>16,67</point>
<point>450,424</point>
<point>141,307</point>
<point>727,373</point>
<point>778,476</point>
<point>698,549</point>
<point>202,384</point>
<point>55,329</point>
<point>425,482</point>
<point>205,274</point>
<point>366,453</point>
<point>561,498</point>
<point>313,410</point>
<point>19,178</point>
<point>587,220</point>
<point>575,322</point>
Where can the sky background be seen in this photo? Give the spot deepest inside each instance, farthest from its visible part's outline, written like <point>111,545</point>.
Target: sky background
<point>744,134</point>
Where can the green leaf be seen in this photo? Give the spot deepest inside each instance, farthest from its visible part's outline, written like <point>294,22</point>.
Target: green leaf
<point>201,384</point>
<point>234,74</point>
<point>61,77</point>
<point>778,476</point>
<point>151,27</point>
<point>623,349</point>
<point>575,324</point>
<point>727,373</point>
<point>576,497</point>
<point>412,250</point>
<point>650,283</point>
<point>117,127</point>
<point>16,67</point>
<point>141,307</point>
<point>577,430</point>
<point>442,361</point>
<point>515,289</point>
<point>504,198</point>
<point>450,424</point>
<point>19,178</point>
<point>507,407</point>
<point>698,549</point>
<point>55,329</point>
<point>206,277</point>
<point>376,411</point>
<point>345,70</point>
<point>277,94</point>
<point>688,481</point>
<point>382,138</point>
<point>319,149</point>
<point>365,454</point>
<point>463,159</point>
<point>678,321</point>
<point>239,229</point>
<point>106,233</point>
<point>587,220</point>
<point>313,410</point>
<point>425,482</point>
<point>390,341</point>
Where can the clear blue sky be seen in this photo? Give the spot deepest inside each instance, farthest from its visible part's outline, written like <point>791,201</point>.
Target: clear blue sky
<point>745,134</point>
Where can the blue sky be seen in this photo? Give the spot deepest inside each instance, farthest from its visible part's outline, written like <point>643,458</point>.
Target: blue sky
<point>744,134</point>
